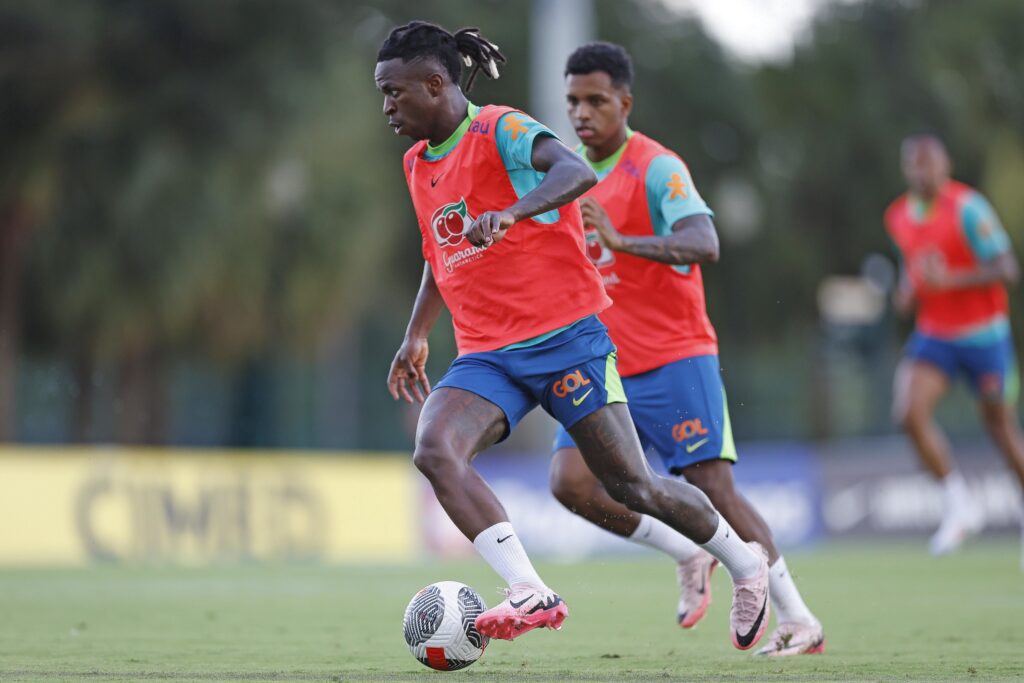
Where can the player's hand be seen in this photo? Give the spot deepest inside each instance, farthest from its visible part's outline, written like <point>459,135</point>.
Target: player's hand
<point>903,299</point>
<point>596,217</point>
<point>934,272</point>
<point>408,375</point>
<point>489,228</point>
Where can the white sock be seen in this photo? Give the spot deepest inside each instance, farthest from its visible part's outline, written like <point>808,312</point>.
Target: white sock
<point>654,533</point>
<point>501,548</point>
<point>789,606</point>
<point>957,496</point>
<point>729,549</point>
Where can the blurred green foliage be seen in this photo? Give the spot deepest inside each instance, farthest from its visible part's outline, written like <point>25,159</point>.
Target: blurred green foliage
<point>205,235</point>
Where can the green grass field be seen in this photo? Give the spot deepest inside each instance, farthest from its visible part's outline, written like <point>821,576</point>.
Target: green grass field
<point>890,613</point>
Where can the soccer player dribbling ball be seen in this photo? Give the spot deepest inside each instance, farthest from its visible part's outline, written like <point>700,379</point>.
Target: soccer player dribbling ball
<point>502,237</point>
<point>649,230</point>
<point>956,264</point>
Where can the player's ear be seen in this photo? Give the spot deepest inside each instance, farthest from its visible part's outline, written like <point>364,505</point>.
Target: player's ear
<point>626,97</point>
<point>435,84</point>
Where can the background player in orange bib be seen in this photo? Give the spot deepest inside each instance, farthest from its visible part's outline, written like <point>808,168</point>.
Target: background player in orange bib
<point>503,242</point>
<point>648,231</point>
<point>957,262</point>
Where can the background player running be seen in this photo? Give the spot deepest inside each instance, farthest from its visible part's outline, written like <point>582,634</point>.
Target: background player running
<point>956,265</point>
<point>648,231</point>
<point>503,241</point>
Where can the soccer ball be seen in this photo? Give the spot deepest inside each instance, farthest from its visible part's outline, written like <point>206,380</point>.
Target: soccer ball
<point>440,626</point>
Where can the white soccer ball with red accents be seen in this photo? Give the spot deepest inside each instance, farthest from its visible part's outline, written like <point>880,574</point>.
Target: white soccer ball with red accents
<point>440,626</point>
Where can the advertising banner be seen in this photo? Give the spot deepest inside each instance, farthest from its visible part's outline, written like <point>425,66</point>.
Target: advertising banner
<point>70,506</point>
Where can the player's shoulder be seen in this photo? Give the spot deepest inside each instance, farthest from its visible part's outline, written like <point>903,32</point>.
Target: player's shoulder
<point>416,150</point>
<point>966,196</point>
<point>894,206</point>
<point>650,148</point>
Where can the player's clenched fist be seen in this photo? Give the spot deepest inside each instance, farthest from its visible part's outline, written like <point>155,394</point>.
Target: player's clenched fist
<point>595,216</point>
<point>408,374</point>
<point>489,228</point>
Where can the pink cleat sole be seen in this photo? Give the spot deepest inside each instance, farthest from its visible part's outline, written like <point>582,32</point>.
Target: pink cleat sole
<point>510,626</point>
<point>692,617</point>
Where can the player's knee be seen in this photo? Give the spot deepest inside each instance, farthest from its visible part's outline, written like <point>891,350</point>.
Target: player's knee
<point>431,457</point>
<point>715,483</point>
<point>996,417</point>
<point>910,419</point>
<point>568,490</point>
<point>637,494</point>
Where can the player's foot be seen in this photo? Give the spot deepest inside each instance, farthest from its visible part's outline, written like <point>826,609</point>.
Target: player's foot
<point>750,606</point>
<point>694,577</point>
<point>525,608</point>
<point>957,526</point>
<point>795,639</point>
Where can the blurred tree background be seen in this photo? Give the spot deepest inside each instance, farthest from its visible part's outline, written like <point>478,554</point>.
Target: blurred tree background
<point>206,239</point>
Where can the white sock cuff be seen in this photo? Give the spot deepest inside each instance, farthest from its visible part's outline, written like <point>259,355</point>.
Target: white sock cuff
<point>729,549</point>
<point>501,548</point>
<point>654,533</point>
<point>643,529</point>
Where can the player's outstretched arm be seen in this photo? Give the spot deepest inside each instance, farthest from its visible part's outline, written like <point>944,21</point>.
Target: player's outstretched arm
<point>693,239</point>
<point>566,177</point>
<point>1004,268</point>
<point>408,374</point>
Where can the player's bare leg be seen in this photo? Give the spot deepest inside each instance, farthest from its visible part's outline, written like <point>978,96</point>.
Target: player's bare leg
<point>611,449</point>
<point>576,487</point>
<point>1000,419</point>
<point>579,490</point>
<point>1001,422</point>
<point>918,389</point>
<point>714,478</point>
<point>454,427</point>
<point>797,631</point>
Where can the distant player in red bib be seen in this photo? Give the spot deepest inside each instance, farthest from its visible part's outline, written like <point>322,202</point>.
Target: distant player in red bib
<point>503,242</point>
<point>648,230</point>
<point>957,262</point>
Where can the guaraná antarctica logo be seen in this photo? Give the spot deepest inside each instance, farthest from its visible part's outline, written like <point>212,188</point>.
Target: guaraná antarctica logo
<point>600,255</point>
<point>450,223</point>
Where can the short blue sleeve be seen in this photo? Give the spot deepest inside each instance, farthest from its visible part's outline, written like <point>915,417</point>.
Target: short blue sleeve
<point>671,194</point>
<point>515,134</point>
<point>982,228</point>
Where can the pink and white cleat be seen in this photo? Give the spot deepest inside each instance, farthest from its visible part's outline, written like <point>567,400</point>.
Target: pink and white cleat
<point>694,577</point>
<point>525,608</point>
<point>795,639</point>
<point>750,605</point>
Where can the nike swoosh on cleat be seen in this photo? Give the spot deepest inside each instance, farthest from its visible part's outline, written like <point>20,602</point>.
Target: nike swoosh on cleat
<point>691,447</point>
<point>581,399</point>
<point>502,540</point>
<point>746,640</point>
<point>553,602</point>
<point>517,605</point>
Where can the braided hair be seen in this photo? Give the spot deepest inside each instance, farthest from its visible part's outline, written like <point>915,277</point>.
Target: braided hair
<point>422,39</point>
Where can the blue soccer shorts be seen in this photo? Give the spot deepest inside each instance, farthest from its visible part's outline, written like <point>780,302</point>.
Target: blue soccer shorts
<point>679,410</point>
<point>570,375</point>
<point>990,367</point>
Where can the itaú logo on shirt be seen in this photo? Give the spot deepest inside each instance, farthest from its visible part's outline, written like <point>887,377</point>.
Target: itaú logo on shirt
<point>600,255</point>
<point>450,223</point>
